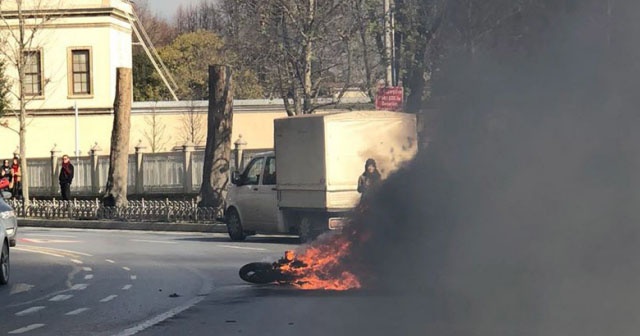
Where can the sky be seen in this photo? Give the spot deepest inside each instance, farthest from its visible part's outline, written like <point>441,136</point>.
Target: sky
<point>167,8</point>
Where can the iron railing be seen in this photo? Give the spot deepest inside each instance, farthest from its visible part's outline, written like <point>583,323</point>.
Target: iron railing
<point>138,210</point>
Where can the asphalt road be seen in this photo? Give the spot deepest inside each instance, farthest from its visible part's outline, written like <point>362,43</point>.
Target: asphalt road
<point>91,282</point>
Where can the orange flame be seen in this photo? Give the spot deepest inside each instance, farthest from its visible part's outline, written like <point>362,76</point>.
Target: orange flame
<point>321,266</point>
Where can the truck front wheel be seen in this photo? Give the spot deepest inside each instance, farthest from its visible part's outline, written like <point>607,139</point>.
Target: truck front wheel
<point>234,226</point>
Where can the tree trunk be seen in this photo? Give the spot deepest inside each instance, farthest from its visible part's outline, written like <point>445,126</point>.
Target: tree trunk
<point>218,149</point>
<point>308,57</point>
<point>22,118</point>
<point>116,191</point>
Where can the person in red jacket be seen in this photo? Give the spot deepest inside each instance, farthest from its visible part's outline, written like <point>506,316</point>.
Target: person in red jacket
<point>16,188</point>
<point>66,177</point>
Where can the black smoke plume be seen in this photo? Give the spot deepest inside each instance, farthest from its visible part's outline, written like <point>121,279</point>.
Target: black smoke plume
<point>522,216</point>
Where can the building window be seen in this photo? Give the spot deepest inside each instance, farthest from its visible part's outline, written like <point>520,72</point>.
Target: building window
<point>81,72</point>
<point>32,73</point>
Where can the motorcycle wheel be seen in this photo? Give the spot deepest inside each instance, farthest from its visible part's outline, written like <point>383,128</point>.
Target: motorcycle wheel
<point>259,273</point>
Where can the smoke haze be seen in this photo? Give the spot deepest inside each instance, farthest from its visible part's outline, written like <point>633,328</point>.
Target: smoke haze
<point>522,217</point>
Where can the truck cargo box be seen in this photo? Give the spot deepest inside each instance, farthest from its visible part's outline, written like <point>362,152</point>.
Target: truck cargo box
<point>321,156</point>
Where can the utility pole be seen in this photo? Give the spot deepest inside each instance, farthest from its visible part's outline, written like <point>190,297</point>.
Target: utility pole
<point>77,124</point>
<point>388,43</point>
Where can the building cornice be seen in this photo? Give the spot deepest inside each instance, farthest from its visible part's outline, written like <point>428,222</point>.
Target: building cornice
<point>64,13</point>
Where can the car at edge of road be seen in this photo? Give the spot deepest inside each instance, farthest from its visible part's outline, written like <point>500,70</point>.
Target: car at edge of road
<point>5,261</point>
<point>9,221</point>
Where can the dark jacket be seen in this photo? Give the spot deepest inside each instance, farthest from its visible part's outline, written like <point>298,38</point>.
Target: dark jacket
<point>66,175</point>
<point>367,180</point>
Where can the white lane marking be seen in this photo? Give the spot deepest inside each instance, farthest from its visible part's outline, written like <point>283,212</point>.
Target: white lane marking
<point>110,261</point>
<point>134,277</point>
<point>79,286</point>
<point>77,311</point>
<point>87,269</point>
<point>127,287</point>
<point>30,311</point>
<point>76,261</point>
<point>152,241</point>
<point>126,268</point>
<point>88,277</point>
<point>109,298</point>
<point>243,248</point>
<point>60,297</point>
<point>164,316</point>
<point>71,251</point>
<point>27,328</point>
<point>20,288</point>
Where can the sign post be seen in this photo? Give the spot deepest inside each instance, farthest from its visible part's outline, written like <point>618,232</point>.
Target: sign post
<point>390,98</point>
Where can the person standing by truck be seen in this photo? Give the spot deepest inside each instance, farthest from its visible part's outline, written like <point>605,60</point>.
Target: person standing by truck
<point>369,179</point>
<point>65,178</point>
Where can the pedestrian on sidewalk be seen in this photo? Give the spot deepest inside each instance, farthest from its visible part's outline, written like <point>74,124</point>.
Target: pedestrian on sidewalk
<point>6,174</point>
<point>16,188</point>
<point>65,178</point>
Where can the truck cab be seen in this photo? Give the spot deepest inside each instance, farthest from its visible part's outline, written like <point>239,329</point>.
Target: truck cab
<point>252,200</point>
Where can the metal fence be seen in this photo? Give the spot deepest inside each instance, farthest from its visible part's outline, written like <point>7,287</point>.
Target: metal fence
<point>139,211</point>
<point>170,173</point>
<point>163,172</point>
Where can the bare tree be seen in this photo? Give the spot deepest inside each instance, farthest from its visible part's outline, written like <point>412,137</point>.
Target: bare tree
<point>156,132</point>
<point>218,149</point>
<point>116,190</point>
<point>21,22</point>
<point>202,16</point>
<point>192,126</point>
<point>301,49</point>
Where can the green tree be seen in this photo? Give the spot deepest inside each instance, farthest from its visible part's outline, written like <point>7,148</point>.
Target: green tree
<point>188,58</point>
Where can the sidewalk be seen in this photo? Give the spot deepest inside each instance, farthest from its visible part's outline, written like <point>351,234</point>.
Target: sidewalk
<point>116,225</point>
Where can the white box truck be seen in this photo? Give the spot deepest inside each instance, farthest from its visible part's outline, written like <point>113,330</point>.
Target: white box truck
<point>319,160</point>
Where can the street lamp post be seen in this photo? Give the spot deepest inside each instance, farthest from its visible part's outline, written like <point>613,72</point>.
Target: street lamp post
<point>75,107</point>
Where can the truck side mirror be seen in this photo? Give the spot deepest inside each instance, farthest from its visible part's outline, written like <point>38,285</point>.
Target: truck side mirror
<point>235,178</point>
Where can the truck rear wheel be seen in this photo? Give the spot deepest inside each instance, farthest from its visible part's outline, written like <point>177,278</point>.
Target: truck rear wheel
<point>234,226</point>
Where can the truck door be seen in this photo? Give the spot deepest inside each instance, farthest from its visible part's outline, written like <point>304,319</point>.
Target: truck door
<point>247,198</point>
<point>267,198</point>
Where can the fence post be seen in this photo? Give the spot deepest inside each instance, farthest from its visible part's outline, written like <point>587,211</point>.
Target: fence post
<point>187,178</point>
<point>240,144</point>
<point>139,168</point>
<point>95,174</point>
<point>54,169</point>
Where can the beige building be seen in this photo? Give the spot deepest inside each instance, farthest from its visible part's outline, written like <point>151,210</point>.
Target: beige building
<point>73,55</point>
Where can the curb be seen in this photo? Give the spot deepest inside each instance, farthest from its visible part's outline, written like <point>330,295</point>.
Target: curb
<point>116,225</point>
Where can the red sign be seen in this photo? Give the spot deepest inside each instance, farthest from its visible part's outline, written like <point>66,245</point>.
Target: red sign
<point>389,98</point>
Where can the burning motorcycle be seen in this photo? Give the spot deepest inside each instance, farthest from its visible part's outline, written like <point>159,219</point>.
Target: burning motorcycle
<point>264,272</point>
<point>316,268</point>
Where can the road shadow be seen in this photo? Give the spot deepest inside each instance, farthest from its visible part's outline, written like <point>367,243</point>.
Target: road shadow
<point>288,240</point>
<point>276,290</point>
